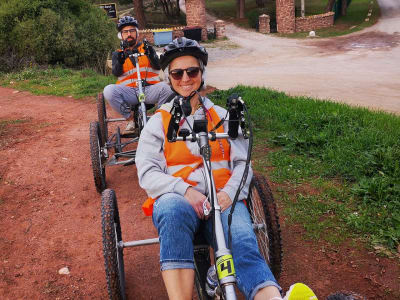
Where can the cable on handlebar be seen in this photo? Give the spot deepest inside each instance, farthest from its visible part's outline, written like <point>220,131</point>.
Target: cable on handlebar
<point>244,177</point>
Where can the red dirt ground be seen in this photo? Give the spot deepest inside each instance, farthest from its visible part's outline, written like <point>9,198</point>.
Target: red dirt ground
<point>50,218</point>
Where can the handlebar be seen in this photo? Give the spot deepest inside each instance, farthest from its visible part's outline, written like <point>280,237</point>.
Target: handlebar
<point>212,136</point>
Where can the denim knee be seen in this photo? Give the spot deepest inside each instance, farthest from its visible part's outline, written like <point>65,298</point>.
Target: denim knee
<point>108,91</point>
<point>176,223</point>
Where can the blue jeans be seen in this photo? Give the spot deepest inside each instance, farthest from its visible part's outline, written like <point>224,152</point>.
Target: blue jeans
<point>177,223</point>
<point>120,97</point>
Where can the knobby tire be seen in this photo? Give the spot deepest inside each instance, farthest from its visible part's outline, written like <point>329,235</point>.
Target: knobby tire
<point>262,209</point>
<point>98,168</point>
<point>113,255</point>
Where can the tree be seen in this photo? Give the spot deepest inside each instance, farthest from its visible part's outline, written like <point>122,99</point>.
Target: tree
<point>329,5</point>
<point>240,4</point>
<point>343,6</point>
<point>139,13</point>
<point>261,3</point>
<point>170,8</point>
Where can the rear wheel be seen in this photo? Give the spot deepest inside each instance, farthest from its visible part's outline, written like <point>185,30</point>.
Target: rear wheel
<point>102,115</point>
<point>263,212</point>
<point>98,159</point>
<point>113,254</point>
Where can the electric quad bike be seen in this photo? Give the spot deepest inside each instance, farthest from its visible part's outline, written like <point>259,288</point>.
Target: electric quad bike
<point>102,144</point>
<point>260,204</point>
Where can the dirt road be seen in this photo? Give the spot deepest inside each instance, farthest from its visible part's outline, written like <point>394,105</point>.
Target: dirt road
<point>359,69</point>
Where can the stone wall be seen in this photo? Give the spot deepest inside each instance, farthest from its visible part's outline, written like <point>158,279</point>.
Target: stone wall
<point>196,16</point>
<point>285,16</point>
<point>315,22</point>
<point>264,24</point>
<point>219,29</point>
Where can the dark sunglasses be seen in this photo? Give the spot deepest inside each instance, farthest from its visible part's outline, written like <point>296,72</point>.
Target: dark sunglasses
<point>177,74</point>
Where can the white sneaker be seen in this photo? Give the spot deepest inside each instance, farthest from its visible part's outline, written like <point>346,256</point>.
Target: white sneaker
<point>130,128</point>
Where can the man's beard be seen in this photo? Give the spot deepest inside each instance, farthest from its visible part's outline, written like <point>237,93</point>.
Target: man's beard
<point>131,41</point>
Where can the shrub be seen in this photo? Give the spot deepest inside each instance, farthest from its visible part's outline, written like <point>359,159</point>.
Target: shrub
<point>74,33</point>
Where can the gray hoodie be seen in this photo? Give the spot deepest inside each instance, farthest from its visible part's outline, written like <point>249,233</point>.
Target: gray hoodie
<point>151,163</point>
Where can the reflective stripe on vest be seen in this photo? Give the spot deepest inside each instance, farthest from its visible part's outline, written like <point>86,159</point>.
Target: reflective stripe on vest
<point>129,74</point>
<point>181,162</point>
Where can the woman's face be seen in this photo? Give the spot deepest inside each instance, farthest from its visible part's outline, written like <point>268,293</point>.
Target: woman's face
<point>185,82</point>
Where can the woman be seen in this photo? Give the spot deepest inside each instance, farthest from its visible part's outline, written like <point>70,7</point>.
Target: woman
<point>172,173</point>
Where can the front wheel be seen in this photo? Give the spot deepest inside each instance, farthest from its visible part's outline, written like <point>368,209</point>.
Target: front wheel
<point>98,159</point>
<point>102,115</point>
<point>264,215</point>
<point>112,251</point>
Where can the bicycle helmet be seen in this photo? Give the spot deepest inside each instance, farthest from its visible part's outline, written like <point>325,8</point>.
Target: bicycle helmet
<point>180,47</point>
<point>126,21</point>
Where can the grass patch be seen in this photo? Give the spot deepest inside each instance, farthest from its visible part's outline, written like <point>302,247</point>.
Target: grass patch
<point>354,20</point>
<point>57,81</point>
<point>9,129</point>
<point>349,156</point>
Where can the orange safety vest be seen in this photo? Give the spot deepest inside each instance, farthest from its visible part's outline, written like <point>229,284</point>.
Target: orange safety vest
<point>129,75</point>
<point>181,162</point>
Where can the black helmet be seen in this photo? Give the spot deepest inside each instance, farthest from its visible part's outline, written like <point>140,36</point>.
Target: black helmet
<point>180,47</point>
<point>127,21</point>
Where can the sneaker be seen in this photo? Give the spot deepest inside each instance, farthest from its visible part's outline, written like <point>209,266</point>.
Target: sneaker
<point>300,291</point>
<point>130,128</point>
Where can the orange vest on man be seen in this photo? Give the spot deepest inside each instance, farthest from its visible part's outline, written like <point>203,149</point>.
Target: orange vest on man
<point>181,162</point>
<point>129,75</point>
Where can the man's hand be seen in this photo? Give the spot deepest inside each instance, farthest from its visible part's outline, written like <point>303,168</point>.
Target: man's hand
<point>196,199</point>
<point>224,200</point>
<point>121,57</point>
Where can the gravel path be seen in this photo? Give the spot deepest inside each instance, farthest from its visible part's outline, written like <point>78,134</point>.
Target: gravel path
<point>360,69</point>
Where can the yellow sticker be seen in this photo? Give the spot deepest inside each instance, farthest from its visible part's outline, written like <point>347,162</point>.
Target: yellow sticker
<point>225,266</point>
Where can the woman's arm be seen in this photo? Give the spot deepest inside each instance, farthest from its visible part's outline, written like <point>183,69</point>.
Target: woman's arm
<point>151,164</point>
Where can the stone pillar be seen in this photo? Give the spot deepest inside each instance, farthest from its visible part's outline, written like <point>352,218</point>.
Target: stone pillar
<point>263,24</point>
<point>285,16</point>
<point>219,29</point>
<point>196,15</point>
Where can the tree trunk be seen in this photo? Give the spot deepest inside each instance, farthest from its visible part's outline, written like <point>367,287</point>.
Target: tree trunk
<point>303,9</point>
<point>260,3</point>
<point>139,12</point>
<point>329,6</point>
<point>240,4</point>
<point>344,8</point>
<point>178,10</point>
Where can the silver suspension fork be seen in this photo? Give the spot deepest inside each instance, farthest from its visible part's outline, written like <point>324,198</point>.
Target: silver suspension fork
<point>142,96</point>
<point>224,261</point>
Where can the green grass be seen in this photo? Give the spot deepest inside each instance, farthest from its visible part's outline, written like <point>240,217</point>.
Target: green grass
<point>57,81</point>
<point>329,156</point>
<point>353,21</point>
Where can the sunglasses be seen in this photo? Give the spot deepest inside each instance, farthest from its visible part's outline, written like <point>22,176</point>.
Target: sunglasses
<point>177,74</point>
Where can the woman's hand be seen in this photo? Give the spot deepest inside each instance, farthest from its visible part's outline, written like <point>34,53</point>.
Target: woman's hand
<point>224,200</point>
<point>196,199</point>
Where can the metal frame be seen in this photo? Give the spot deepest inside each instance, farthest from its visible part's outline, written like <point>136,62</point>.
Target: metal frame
<point>115,140</point>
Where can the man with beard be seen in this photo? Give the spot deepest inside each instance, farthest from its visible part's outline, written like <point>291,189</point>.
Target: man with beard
<point>122,95</point>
